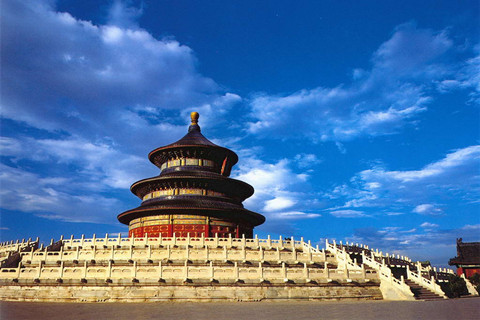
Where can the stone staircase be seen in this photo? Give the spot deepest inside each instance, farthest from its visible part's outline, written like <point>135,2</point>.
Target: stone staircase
<point>422,293</point>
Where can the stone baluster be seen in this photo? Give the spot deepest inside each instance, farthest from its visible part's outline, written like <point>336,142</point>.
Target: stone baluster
<point>306,272</point>
<point>160,270</point>
<point>18,269</point>
<point>85,269</point>
<point>119,239</point>
<point>109,273</point>
<point>260,271</point>
<point>134,269</point>
<point>269,241</point>
<point>94,241</point>
<point>206,253</point>
<point>225,253</point>
<point>186,270</point>
<point>39,273</point>
<point>236,272</point>
<point>279,255</point>
<point>169,252</point>
<point>212,271</point>
<point>256,240</point>
<point>284,272</point>
<point>244,252</point>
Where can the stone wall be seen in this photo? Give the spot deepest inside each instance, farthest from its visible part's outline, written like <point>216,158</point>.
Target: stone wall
<point>188,292</point>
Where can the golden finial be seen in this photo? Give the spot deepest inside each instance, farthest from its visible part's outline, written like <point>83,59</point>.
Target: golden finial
<point>194,116</point>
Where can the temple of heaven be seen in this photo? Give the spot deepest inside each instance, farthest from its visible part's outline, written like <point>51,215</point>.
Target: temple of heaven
<point>191,239</point>
<point>193,194</point>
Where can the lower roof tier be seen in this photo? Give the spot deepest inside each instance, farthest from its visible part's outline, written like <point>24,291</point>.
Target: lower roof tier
<point>224,211</point>
<point>234,188</point>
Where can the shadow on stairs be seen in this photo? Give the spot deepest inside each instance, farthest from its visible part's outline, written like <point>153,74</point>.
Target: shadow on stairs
<point>421,293</point>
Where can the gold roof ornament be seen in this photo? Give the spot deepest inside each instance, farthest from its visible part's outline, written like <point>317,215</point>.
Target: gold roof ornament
<point>194,116</point>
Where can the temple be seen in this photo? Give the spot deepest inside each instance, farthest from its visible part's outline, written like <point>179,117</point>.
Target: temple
<point>191,239</point>
<point>467,260</point>
<point>193,195</point>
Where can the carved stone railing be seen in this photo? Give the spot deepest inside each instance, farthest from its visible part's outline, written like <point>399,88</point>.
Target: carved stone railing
<point>154,272</point>
<point>385,274</point>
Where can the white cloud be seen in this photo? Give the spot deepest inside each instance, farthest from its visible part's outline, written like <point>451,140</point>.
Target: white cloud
<point>427,209</point>
<point>279,191</point>
<point>454,176</point>
<point>307,160</point>
<point>428,225</point>
<point>348,214</point>
<point>97,162</point>
<point>379,101</point>
<point>63,74</point>
<point>436,243</point>
<point>28,192</point>
<point>278,203</point>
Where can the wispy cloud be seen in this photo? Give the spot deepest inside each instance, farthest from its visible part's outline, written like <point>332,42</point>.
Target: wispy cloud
<point>348,214</point>
<point>397,88</point>
<point>456,175</point>
<point>114,80</point>
<point>432,241</point>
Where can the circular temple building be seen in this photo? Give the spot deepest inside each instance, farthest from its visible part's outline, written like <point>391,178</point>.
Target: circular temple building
<point>193,195</point>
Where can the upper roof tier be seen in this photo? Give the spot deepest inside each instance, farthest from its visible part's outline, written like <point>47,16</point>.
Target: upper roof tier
<point>195,146</point>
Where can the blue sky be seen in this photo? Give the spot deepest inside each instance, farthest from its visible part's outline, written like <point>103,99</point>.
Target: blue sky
<point>354,121</point>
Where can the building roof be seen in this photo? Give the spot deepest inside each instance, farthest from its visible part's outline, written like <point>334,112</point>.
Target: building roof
<point>194,140</point>
<point>468,253</point>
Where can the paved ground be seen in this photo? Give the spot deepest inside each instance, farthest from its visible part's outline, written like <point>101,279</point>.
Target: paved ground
<point>467,308</point>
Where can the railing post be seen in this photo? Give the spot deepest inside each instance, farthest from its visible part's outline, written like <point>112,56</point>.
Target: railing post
<point>212,271</point>
<point>160,269</point>
<point>260,271</point>
<point>186,270</point>
<point>236,271</point>
<point>39,270</point>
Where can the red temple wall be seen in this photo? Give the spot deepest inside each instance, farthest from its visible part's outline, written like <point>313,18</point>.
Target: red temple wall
<point>193,230</point>
<point>469,272</point>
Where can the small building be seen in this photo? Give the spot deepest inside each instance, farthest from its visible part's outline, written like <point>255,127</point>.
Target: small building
<point>467,260</point>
